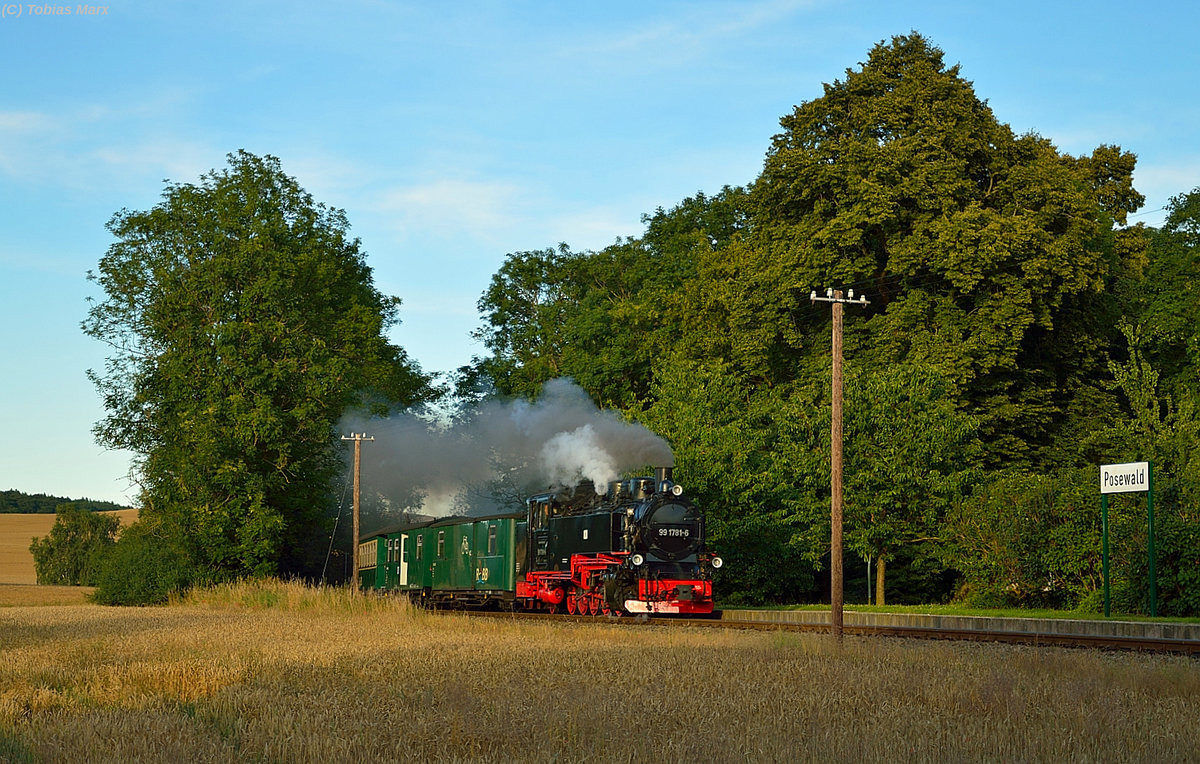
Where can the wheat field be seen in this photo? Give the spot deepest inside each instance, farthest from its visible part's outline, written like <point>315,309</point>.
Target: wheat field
<point>16,533</point>
<point>281,673</point>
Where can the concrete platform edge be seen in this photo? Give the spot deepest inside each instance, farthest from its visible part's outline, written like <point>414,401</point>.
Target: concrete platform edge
<point>1048,626</point>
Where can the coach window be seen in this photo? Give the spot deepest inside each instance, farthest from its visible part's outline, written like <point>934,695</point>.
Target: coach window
<point>441,552</point>
<point>491,539</point>
<point>420,546</point>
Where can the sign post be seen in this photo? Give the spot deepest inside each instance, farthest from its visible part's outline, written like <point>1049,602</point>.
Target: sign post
<point>1104,550</point>
<point>1132,477</point>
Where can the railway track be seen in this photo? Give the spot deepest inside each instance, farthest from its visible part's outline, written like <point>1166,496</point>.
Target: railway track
<point>1019,633</point>
<point>1023,637</point>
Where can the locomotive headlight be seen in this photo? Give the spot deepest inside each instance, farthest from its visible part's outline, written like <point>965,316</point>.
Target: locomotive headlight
<point>717,562</point>
<point>677,489</point>
<point>637,559</point>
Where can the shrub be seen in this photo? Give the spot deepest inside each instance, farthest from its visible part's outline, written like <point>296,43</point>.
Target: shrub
<point>1028,541</point>
<point>1179,581</point>
<point>145,567</point>
<point>73,552</point>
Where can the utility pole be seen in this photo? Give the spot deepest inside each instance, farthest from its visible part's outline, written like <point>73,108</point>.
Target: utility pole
<point>358,438</point>
<point>835,458</point>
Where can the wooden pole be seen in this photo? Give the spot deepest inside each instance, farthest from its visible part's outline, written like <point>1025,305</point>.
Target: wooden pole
<point>1104,552</point>
<point>357,494</point>
<point>836,584</point>
<point>1150,538</point>
<point>358,438</point>
<point>835,456</point>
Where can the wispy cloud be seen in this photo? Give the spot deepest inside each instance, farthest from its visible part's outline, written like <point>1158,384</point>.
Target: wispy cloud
<point>98,148</point>
<point>24,136</point>
<point>593,226</point>
<point>16,122</point>
<point>334,179</point>
<point>483,210</point>
<point>163,158</point>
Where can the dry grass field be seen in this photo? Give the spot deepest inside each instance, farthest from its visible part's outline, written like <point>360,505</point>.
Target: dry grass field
<point>280,673</point>
<point>33,595</point>
<point>16,531</point>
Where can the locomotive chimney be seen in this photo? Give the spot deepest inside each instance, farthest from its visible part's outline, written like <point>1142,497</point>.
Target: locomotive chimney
<point>663,475</point>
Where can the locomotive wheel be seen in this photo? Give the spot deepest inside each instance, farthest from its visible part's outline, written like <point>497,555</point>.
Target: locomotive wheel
<point>572,606</point>
<point>593,603</point>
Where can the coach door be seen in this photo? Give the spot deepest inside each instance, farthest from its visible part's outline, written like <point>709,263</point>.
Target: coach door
<point>404,559</point>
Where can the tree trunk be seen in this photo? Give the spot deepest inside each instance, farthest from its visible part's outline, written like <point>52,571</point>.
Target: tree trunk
<point>879,568</point>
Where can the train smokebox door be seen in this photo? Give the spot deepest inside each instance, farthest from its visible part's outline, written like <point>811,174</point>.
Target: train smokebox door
<point>404,559</point>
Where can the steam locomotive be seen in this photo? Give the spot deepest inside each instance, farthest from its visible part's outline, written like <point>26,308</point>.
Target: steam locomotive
<point>638,548</point>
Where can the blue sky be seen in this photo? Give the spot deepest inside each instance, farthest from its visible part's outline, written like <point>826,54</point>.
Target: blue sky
<point>455,133</point>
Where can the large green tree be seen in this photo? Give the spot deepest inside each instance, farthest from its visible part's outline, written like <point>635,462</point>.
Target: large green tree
<point>909,456</point>
<point>1164,303</point>
<point>603,318</point>
<point>243,321</point>
<point>975,245</point>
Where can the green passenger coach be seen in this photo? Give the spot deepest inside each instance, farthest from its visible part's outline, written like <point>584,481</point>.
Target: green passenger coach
<point>467,561</point>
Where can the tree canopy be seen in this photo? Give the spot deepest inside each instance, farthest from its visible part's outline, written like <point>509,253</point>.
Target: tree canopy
<point>974,243</point>
<point>243,321</point>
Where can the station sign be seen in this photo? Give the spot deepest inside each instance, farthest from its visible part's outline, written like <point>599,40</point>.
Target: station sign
<point>1132,477</point>
<point>1125,478</point>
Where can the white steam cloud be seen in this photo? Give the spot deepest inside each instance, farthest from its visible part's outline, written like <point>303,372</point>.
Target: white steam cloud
<point>500,453</point>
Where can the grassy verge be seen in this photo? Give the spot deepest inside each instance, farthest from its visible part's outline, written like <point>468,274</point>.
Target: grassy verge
<point>258,594</point>
<point>279,672</point>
